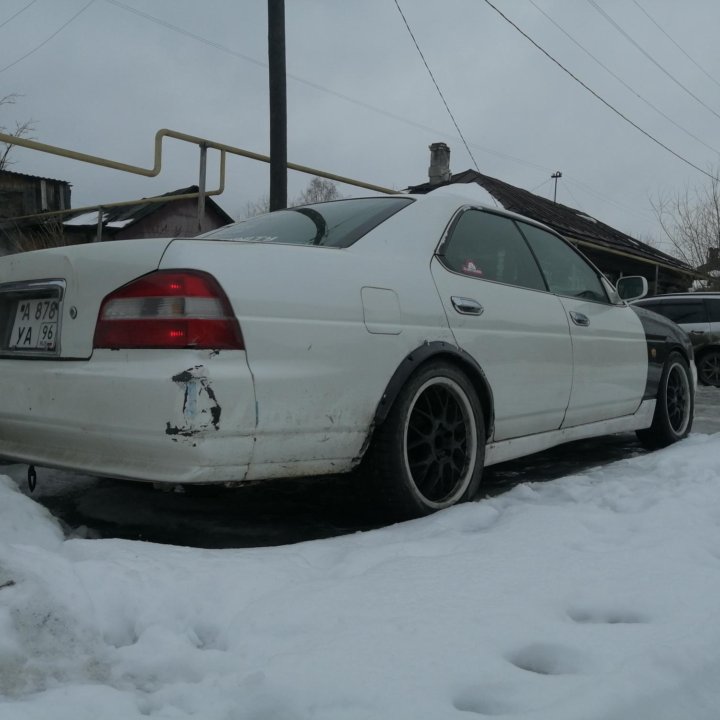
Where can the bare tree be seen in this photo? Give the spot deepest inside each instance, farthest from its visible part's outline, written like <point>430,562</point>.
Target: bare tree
<point>317,190</point>
<point>257,207</point>
<point>691,221</point>
<point>19,131</point>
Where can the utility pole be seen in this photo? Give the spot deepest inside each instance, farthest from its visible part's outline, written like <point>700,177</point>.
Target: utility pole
<point>555,177</point>
<point>278,105</point>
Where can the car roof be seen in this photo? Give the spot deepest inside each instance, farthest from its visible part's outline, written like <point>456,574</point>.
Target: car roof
<point>462,196</point>
<point>681,296</point>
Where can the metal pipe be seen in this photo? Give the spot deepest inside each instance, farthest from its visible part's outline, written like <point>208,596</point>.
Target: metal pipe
<point>201,186</point>
<point>184,137</point>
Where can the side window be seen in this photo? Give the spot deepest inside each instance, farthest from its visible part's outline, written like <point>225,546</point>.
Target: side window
<point>680,311</point>
<point>713,308</point>
<point>490,247</point>
<point>566,272</point>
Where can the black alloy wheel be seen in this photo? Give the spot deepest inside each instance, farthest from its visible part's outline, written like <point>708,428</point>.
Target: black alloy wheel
<point>675,405</point>
<point>708,367</point>
<point>677,399</point>
<point>429,452</point>
<point>439,439</point>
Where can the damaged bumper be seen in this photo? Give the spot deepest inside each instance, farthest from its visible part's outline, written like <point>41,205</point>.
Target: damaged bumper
<point>123,414</point>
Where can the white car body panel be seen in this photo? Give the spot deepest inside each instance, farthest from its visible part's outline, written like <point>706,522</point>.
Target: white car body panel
<point>610,362</point>
<point>497,452</point>
<point>320,368</point>
<point>186,416</point>
<point>520,335</point>
<point>90,272</point>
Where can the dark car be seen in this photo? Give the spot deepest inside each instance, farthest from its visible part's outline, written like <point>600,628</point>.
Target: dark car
<point>699,315</point>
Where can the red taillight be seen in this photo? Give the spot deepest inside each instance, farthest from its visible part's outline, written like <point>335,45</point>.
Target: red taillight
<point>168,309</point>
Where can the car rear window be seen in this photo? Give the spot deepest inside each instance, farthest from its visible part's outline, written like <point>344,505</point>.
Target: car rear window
<point>333,224</point>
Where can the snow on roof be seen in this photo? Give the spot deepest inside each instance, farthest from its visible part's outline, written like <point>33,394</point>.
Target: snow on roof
<point>586,217</point>
<point>120,223</point>
<point>471,191</point>
<point>88,218</point>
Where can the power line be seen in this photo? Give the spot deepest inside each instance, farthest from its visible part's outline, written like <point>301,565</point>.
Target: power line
<point>48,39</point>
<point>594,5</point>
<point>620,80</point>
<point>537,187</point>
<point>22,10</point>
<point>572,195</point>
<point>360,103</point>
<point>354,101</point>
<point>591,191</point>
<point>437,87</point>
<point>590,90</point>
<point>691,59</point>
<point>314,85</point>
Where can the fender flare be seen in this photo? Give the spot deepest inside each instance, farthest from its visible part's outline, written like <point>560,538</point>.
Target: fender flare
<point>438,349</point>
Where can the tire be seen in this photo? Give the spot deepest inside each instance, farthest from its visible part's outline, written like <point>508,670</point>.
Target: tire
<point>429,452</point>
<point>708,367</point>
<point>675,406</point>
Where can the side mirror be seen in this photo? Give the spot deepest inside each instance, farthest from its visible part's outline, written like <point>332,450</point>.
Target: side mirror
<point>632,287</point>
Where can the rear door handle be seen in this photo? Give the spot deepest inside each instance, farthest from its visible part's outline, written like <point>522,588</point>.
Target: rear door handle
<point>697,332</point>
<point>466,306</point>
<point>579,318</point>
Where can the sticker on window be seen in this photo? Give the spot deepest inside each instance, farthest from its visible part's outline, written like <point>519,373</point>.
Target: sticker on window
<point>470,268</point>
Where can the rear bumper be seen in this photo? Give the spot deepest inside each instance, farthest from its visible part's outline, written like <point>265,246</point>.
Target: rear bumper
<point>178,416</point>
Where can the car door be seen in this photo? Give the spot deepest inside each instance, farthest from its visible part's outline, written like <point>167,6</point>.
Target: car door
<point>500,312</point>
<point>608,341</point>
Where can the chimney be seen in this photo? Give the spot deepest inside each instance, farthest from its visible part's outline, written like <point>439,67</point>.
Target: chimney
<point>439,170</point>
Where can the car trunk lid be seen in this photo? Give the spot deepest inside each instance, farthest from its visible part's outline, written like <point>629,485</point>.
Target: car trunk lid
<point>49,299</point>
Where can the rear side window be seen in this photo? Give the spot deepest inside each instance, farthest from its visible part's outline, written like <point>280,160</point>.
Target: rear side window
<point>333,224</point>
<point>713,309</point>
<point>490,247</point>
<point>679,311</point>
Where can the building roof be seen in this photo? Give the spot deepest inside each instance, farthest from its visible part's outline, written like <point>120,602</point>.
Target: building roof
<point>125,215</point>
<point>33,177</point>
<point>567,221</point>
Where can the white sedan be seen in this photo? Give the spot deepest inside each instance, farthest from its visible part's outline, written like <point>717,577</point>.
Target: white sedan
<point>424,336</point>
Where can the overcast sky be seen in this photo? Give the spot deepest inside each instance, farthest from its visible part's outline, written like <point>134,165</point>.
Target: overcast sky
<point>360,101</point>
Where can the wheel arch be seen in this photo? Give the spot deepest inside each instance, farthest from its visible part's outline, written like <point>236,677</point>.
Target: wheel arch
<point>438,350</point>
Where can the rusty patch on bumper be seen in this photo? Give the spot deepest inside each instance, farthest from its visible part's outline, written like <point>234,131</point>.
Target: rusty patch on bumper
<point>200,409</point>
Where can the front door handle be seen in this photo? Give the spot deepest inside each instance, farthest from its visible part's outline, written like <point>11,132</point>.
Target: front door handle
<point>579,318</point>
<point>466,306</point>
<point>697,332</point>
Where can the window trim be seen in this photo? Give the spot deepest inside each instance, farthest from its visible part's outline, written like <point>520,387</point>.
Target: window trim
<point>450,229</point>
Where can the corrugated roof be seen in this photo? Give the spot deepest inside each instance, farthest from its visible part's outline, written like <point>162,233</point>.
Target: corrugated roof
<point>34,177</point>
<point>562,218</point>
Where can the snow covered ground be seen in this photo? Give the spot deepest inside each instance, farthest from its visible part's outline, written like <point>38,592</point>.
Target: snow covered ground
<point>593,596</point>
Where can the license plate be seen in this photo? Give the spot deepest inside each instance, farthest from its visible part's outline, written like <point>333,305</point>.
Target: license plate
<point>36,324</point>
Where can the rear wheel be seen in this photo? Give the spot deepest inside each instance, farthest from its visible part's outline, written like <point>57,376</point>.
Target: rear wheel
<point>428,454</point>
<point>708,367</point>
<point>675,405</point>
